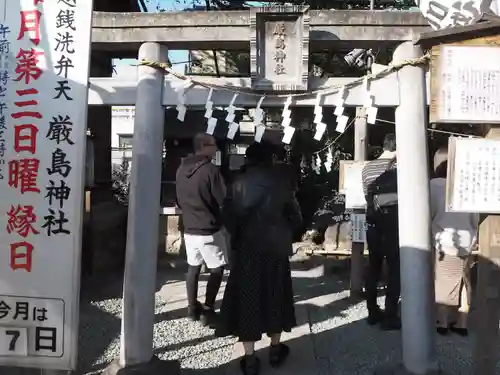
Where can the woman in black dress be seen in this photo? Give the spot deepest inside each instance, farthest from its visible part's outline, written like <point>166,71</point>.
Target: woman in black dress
<point>261,213</point>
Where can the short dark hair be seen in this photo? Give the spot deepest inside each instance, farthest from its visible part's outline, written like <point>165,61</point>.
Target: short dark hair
<point>259,153</point>
<point>389,142</point>
<point>201,140</point>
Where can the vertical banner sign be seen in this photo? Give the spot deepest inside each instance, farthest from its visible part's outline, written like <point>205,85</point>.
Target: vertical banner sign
<point>44,68</point>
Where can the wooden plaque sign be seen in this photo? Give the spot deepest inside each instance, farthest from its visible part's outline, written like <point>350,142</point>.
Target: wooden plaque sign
<point>465,81</point>
<point>473,183</point>
<point>279,48</point>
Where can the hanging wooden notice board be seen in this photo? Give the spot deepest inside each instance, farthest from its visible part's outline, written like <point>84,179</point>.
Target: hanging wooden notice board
<point>465,82</point>
<point>473,183</point>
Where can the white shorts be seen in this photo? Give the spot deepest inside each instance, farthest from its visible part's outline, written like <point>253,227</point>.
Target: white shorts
<point>210,249</point>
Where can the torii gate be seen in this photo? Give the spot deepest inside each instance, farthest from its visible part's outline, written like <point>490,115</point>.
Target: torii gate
<point>405,89</point>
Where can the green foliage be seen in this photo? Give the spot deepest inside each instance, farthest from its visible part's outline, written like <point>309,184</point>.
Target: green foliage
<point>120,176</point>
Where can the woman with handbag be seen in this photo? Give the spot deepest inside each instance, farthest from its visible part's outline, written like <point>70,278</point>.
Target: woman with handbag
<point>454,235</point>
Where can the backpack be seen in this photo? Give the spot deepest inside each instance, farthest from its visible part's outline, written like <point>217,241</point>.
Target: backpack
<point>384,189</point>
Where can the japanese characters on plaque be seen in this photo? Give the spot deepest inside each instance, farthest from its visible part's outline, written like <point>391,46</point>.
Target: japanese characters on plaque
<point>4,80</point>
<point>358,228</point>
<point>44,66</point>
<point>469,84</point>
<point>474,183</point>
<point>279,48</point>
<point>18,314</point>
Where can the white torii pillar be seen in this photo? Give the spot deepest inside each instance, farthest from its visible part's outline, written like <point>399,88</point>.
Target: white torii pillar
<point>139,286</point>
<point>417,310</point>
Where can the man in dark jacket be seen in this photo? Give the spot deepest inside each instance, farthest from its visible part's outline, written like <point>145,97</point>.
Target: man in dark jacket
<point>200,195</point>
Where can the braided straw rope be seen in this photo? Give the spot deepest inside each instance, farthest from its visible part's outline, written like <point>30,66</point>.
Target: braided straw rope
<point>324,91</point>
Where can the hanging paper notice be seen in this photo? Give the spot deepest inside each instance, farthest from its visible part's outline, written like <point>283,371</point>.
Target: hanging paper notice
<point>351,183</point>
<point>44,70</point>
<point>473,183</point>
<point>468,85</point>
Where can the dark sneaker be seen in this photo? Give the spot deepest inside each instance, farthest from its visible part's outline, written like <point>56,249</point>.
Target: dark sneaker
<point>208,318</point>
<point>390,323</point>
<point>443,331</point>
<point>278,354</point>
<point>194,312</point>
<point>250,365</point>
<point>464,332</point>
<point>375,316</point>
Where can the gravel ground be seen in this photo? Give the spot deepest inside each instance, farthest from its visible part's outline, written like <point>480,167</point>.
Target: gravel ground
<point>175,337</point>
<point>342,342</point>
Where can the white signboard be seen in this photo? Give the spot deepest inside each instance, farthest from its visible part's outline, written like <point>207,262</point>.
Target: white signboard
<point>442,14</point>
<point>474,175</point>
<point>358,228</point>
<point>44,55</point>
<point>123,112</point>
<point>352,184</point>
<point>469,84</point>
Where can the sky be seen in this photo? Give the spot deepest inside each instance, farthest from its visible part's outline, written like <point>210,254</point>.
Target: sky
<point>177,58</point>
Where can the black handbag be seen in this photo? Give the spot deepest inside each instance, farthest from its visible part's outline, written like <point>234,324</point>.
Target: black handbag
<point>384,189</point>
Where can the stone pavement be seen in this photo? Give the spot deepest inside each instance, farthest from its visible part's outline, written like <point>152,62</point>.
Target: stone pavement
<point>332,337</point>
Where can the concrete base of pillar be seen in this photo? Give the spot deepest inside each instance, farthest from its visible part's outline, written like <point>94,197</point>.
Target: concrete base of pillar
<point>399,369</point>
<point>153,367</point>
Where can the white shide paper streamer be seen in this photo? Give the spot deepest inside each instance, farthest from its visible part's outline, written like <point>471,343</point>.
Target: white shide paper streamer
<point>329,160</point>
<point>211,121</point>
<point>181,98</point>
<point>288,133</point>
<point>287,113</point>
<point>371,111</point>
<point>258,120</point>
<point>233,126</point>
<point>317,164</point>
<point>318,119</point>
<point>341,123</point>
